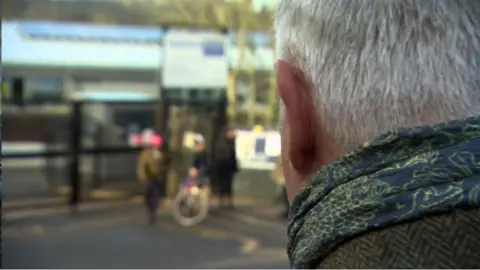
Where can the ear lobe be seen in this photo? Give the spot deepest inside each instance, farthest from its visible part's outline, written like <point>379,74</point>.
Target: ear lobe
<point>302,144</point>
<point>300,117</point>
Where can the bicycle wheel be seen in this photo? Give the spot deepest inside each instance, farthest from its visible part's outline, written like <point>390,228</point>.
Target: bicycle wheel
<point>190,209</point>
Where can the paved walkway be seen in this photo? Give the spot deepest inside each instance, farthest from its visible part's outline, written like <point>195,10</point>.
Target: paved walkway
<point>266,212</point>
<point>117,236</point>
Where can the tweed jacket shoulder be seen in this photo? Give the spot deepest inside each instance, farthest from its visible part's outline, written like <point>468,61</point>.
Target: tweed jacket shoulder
<point>449,240</point>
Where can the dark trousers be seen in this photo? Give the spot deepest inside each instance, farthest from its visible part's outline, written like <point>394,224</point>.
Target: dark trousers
<point>225,186</point>
<point>214,186</point>
<point>153,193</point>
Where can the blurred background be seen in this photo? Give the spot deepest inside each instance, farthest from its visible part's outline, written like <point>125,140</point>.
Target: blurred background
<point>83,80</point>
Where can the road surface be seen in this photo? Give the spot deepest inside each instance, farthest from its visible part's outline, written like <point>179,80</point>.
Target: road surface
<point>119,237</point>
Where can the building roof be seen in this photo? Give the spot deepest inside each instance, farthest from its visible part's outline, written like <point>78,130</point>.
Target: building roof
<point>36,43</point>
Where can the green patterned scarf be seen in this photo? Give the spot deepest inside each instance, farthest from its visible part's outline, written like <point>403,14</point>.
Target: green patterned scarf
<point>398,177</point>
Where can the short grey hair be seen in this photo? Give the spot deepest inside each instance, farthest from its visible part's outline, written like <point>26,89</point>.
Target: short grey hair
<point>376,65</point>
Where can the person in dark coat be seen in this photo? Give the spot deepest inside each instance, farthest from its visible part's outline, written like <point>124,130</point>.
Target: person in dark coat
<point>225,167</point>
<point>200,162</point>
<point>151,169</point>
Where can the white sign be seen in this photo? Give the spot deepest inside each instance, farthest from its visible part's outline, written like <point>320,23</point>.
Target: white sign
<point>195,60</point>
<point>273,145</point>
<point>257,150</point>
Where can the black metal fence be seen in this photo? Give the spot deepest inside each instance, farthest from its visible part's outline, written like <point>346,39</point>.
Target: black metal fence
<point>33,132</point>
<point>86,149</point>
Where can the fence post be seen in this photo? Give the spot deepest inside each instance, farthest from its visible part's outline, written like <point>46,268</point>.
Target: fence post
<point>75,151</point>
<point>97,172</point>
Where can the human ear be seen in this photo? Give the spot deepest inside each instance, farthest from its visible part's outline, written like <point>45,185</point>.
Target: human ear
<point>300,117</point>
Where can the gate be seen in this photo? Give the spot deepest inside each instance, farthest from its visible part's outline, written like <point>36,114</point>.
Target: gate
<point>203,120</point>
<point>86,148</point>
<point>109,125</point>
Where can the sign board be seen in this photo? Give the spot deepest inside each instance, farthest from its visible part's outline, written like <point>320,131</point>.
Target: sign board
<point>257,150</point>
<point>195,60</point>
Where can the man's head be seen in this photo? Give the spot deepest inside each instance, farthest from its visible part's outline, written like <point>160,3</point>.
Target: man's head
<point>349,71</point>
<point>199,143</point>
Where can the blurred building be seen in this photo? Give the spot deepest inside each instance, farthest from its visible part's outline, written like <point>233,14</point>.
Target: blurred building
<point>53,48</point>
<point>109,63</point>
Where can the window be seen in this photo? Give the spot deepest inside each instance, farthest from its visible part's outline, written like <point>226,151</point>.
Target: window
<point>44,90</point>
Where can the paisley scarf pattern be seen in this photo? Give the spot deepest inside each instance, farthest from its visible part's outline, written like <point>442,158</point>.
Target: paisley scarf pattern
<point>401,176</point>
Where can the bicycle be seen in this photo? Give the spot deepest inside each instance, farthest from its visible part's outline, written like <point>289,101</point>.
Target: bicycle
<point>191,204</point>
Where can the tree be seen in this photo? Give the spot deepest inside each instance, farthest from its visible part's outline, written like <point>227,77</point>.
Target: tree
<point>14,8</point>
<point>205,13</point>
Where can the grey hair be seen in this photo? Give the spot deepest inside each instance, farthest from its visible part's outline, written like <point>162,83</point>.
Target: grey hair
<point>377,65</point>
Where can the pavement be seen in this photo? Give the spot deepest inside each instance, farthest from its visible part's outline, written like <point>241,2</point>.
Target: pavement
<point>106,235</point>
<point>20,187</point>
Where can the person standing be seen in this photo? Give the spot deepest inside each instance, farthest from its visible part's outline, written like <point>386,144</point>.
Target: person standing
<point>225,167</point>
<point>152,166</point>
<point>199,165</point>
